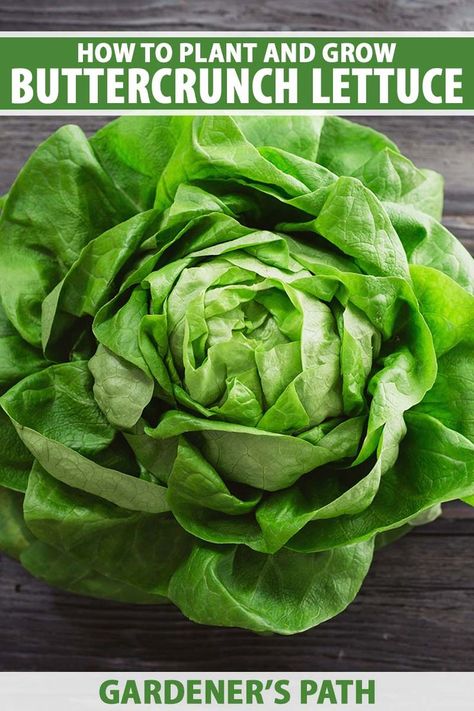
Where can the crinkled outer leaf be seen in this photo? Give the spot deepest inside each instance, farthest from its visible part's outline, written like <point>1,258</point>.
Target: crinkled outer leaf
<point>449,312</point>
<point>261,459</point>
<point>17,360</point>
<point>435,464</point>
<point>37,407</point>
<point>121,390</point>
<point>345,147</point>
<point>134,150</point>
<point>15,459</point>
<point>69,573</point>
<point>104,537</point>
<point>61,179</point>
<point>298,135</point>
<point>354,220</point>
<point>236,355</point>
<point>90,281</point>
<point>15,536</point>
<point>205,506</point>
<point>393,178</point>
<point>17,357</point>
<point>451,399</point>
<point>447,308</point>
<point>285,593</point>
<point>429,243</point>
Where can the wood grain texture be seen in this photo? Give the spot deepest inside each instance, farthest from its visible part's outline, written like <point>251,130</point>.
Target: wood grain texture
<point>244,14</point>
<point>415,609</point>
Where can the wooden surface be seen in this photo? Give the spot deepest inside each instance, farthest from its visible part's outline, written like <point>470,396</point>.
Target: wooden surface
<point>237,14</point>
<point>415,610</point>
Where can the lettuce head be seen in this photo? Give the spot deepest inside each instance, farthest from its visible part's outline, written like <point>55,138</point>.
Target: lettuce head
<point>236,354</point>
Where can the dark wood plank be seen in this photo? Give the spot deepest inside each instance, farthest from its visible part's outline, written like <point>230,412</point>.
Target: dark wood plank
<point>302,15</point>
